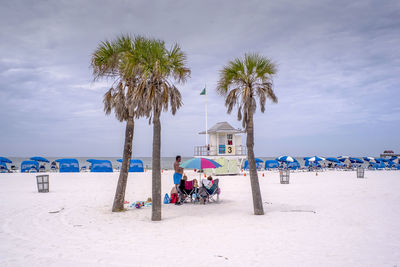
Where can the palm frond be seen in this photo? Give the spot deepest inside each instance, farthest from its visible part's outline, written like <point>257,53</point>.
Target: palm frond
<point>243,80</point>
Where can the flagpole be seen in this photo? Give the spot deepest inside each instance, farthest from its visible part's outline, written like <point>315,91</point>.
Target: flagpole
<point>205,87</point>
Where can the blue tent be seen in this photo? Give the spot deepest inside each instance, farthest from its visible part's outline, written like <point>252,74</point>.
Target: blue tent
<point>100,165</point>
<point>270,164</point>
<point>27,165</point>
<point>68,165</point>
<point>259,162</point>
<point>40,159</point>
<point>135,166</point>
<point>5,160</point>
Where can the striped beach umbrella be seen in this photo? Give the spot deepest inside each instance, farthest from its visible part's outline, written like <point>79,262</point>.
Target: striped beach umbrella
<point>285,159</point>
<point>369,159</point>
<point>316,159</point>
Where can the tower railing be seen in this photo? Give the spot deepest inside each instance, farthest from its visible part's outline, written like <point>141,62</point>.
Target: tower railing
<point>219,151</point>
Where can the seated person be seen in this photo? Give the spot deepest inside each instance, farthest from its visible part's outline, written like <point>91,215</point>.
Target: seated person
<point>195,185</point>
<point>182,186</point>
<point>209,184</point>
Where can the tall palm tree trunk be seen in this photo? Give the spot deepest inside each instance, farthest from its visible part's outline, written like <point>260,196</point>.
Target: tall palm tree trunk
<point>123,175</point>
<point>255,185</point>
<point>156,170</point>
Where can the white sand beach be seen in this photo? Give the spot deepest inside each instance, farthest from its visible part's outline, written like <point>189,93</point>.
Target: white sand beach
<point>333,219</point>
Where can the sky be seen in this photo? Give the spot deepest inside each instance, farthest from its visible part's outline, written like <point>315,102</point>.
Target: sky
<point>338,82</point>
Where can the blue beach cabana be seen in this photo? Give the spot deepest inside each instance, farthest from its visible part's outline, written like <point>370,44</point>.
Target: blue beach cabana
<point>29,165</point>
<point>135,166</point>
<point>5,160</point>
<point>259,163</point>
<point>40,159</point>
<point>100,165</point>
<point>271,164</point>
<point>68,165</point>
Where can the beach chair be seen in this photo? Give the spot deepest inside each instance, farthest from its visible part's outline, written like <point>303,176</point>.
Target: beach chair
<point>33,170</point>
<point>42,168</point>
<point>185,191</point>
<point>212,194</point>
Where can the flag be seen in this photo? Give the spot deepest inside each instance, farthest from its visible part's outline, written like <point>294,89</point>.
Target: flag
<point>203,92</point>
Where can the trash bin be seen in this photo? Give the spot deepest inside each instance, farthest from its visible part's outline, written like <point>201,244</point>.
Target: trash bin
<point>42,183</point>
<point>284,176</point>
<point>360,172</point>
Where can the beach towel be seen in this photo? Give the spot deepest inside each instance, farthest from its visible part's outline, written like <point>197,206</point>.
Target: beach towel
<point>174,198</point>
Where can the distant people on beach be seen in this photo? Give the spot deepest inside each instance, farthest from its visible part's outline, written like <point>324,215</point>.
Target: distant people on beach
<point>178,170</point>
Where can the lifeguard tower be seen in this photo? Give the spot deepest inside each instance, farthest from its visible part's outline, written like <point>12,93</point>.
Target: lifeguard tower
<point>225,147</point>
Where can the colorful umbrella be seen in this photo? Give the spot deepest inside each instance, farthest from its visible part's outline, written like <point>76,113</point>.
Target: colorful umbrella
<point>200,164</point>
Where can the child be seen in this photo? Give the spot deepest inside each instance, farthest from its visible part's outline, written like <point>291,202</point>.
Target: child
<point>196,190</point>
<point>208,182</point>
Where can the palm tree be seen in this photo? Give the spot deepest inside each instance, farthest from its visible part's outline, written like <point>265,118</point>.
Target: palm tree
<point>243,82</point>
<point>156,92</point>
<point>117,60</point>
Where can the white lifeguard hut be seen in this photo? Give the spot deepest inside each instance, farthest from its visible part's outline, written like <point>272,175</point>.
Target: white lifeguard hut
<point>225,147</point>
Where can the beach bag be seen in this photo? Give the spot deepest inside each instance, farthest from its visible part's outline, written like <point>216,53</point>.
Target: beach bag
<point>174,198</point>
<point>166,199</point>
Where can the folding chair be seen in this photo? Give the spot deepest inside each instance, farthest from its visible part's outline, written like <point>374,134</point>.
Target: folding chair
<point>185,191</point>
<point>212,194</point>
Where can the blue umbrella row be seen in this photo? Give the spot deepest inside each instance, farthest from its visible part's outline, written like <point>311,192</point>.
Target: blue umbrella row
<point>69,165</point>
<point>291,162</point>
